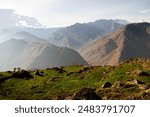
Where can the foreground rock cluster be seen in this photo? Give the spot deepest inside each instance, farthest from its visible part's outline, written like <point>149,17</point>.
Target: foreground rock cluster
<point>130,90</point>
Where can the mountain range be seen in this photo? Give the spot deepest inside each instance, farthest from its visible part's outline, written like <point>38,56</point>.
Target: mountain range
<point>28,44</point>
<point>19,53</point>
<point>77,35</point>
<point>131,41</point>
<point>22,35</point>
<point>43,33</point>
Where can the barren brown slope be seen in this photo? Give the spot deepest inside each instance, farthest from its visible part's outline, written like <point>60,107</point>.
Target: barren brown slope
<point>131,41</point>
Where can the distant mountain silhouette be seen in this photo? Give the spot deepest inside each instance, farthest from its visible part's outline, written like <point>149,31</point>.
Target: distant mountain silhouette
<point>19,53</point>
<point>7,34</point>
<point>77,35</point>
<point>42,33</point>
<point>13,24</point>
<point>10,50</point>
<point>39,55</point>
<point>26,37</point>
<point>131,41</point>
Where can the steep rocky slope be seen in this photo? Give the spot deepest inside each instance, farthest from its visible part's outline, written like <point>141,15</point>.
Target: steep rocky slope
<point>131,41</point>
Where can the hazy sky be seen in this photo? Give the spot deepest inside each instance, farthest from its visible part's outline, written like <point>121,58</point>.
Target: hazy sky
<point>65,12</point>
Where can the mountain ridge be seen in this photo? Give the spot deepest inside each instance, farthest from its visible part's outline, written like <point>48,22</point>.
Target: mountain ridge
<point>129,42</point>
<point>19,53</point>
<point>77,35</point>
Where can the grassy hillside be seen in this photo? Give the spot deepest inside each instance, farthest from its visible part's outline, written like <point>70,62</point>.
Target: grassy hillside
<point>129,80</point>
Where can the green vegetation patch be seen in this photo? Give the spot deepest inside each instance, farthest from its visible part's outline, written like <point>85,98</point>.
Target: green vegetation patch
<point>64,82</point>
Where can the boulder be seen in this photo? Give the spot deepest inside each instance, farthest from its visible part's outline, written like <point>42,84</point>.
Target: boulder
<point>22,74</point>
<point>143,73</point>
<point>59,70</point>
<point>38,73</point>
<point>138,82</point>
<point>86,94</point>
<point>106,85</point>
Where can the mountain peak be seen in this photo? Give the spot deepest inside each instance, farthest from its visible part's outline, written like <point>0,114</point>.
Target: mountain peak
<point>137,31</point>
<point>77,35</point>
<point>131,41</point>
<point>142,25</point>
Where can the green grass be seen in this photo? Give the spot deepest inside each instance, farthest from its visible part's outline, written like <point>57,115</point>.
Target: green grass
<point>53,83</point>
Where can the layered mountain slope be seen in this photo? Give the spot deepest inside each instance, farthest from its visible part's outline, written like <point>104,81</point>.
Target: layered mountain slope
<point>42,33</point>
<point>131,41</point>
<point>18,53</point>
<point>26,37</point>
<point>7,34</point>
<point>78,34</point>
<point>10,51</point>
<point>39,55</point>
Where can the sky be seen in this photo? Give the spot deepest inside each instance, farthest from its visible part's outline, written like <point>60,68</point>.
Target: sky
<point>56,13</point>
